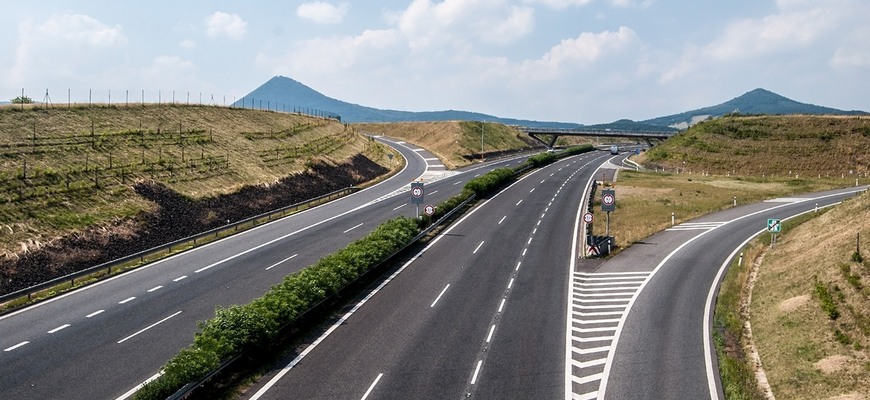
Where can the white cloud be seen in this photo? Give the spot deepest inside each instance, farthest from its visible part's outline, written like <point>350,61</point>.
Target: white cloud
<point>322,12</point>
<point>631,3</point>
<point>561,4</point>
<point>62,47</point>
<point>459,24</point>
<point>584,50</point>
<point>187,43</point>
<point>221,23</point>
<point>330,55</point>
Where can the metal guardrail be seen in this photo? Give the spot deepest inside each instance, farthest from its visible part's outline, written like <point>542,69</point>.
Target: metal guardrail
<point>140,256</point>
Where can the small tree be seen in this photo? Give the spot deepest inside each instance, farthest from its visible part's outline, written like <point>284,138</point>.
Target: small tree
<point>22,100</point>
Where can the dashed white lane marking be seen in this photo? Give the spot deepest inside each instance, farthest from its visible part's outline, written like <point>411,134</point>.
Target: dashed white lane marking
<point>478,248</point>
<point>281,262</point>
<point>501,220</point>
<point>155,288</point>
<point>476,371</point>
<point>399,207</point>
<point>129,299</point>
<point>457,183</point>
<point>59,328</point>
<point>439,296</point>
<point>491,331</point>
<point>148,327</point>
<point>95,313</point>
<point>179,278</point>
<point>16,346</point>
<point>433,192</point>
<point>696,226</point>
<point>372,386</point>
<point>518,203</point>
<point>598,302</point>
<point>354,227</point>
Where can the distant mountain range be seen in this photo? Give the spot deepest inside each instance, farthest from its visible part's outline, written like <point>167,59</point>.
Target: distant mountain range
<point>285,94</point>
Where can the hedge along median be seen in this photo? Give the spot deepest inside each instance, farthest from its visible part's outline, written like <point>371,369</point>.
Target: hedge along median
<point>255,326</point>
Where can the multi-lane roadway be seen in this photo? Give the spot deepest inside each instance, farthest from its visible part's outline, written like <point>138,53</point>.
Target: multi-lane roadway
<point>101,341</point>
<point>498,306</point>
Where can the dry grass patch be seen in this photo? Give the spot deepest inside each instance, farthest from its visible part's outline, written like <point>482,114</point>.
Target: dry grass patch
<point>784,145</point>
<point>63,169</point>
<point>645,199</point>
<point>453,141</point>
<point>819,349</point>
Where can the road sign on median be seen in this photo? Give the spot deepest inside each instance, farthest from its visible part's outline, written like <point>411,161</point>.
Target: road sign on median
<point>429,210</point>
<point>416,192</point>
<point>608,200</point>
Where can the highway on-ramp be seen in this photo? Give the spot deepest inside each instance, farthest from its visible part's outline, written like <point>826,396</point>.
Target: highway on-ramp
<point>101,341</point>
<point>641,322</point>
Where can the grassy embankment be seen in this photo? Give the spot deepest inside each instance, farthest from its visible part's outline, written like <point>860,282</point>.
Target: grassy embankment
<point>66,169</point>
<point>454,141</point>
<point>810,276</point>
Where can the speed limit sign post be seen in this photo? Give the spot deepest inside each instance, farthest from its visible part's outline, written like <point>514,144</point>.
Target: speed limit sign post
<point>417,193</point>
<point>588,217</point>
<point>608,204</point>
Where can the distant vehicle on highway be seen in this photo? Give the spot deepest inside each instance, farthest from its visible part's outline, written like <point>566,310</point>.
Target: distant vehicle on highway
<point>614,149</point>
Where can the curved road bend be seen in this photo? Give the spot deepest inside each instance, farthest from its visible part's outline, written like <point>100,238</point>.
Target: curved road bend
<point>104,339</point>
<point>640,322</point>
<point>479,313</point>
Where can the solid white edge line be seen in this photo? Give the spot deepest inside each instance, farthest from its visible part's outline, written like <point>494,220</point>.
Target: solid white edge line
<point>140,386</point>
<point>568,317</point>
<point>439,296</point>
<point>603,385</point>
<point>148,327</point>
<point>708,306</point>
<point>372,387</point>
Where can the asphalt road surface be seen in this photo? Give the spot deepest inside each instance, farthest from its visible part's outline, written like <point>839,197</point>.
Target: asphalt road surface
<point>101,341</point>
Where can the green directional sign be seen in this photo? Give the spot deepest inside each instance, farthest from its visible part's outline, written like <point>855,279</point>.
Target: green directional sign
<point>774,225</point>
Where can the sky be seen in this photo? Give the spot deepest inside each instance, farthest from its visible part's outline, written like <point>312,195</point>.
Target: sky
<point>583,61</point>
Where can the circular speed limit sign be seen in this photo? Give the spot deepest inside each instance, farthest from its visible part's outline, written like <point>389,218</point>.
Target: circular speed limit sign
<point>417,192</point>
<point>429,210</point>
<point>588,217</point>
<point>607,199</point>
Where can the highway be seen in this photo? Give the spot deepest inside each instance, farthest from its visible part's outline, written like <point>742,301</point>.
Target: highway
<point>478,314</point>
<point>101,341</point>
<point>641,322</point>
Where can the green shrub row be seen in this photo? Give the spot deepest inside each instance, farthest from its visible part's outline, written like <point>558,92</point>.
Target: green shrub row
<point>491,180</point>
<point>254,326</point>
<point>574,150</point>
<point>541,159</point>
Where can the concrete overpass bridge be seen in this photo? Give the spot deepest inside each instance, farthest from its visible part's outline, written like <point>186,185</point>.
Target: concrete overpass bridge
<point>554,133</point>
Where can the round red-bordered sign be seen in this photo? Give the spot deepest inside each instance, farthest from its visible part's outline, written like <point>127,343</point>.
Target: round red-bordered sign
<point>417,192</point>
<point>429,209</point>
<point>588,217</point>
<point>607,199</point>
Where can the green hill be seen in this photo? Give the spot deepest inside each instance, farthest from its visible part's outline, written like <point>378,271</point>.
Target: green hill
<point>758,101</point>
